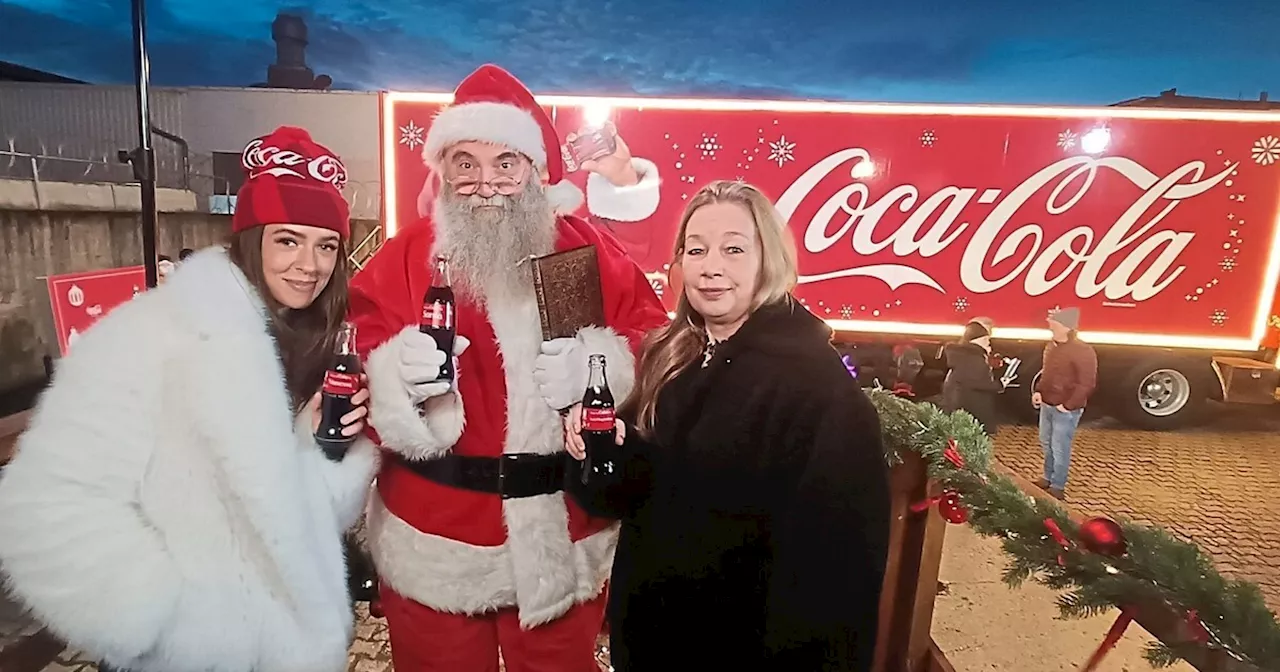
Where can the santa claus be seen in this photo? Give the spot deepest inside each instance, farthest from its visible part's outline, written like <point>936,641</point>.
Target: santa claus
<point>476,545</point>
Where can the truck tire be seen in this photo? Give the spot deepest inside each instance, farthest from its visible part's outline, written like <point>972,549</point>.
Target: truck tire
<point>1161,393</point>
<point>1017,400</point>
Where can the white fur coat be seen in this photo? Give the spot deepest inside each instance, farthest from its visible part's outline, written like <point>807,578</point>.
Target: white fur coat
<point>166,511</point>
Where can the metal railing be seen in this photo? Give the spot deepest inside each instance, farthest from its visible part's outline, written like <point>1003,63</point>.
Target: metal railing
<point>214,193</point>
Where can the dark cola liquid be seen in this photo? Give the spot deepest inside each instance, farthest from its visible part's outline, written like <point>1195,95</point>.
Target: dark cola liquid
<point>604,460</point>
<point>439,321</point>
<point>341,382</point>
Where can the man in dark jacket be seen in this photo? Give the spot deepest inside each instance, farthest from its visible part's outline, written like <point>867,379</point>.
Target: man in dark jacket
<point>1069,376</point>
<point>970,384</point>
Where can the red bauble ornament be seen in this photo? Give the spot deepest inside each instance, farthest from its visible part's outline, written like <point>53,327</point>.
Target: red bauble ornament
<point>1103,536</point>
<point>952,509</point>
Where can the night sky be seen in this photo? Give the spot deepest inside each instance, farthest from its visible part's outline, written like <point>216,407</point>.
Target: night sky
<point>1018,51</point>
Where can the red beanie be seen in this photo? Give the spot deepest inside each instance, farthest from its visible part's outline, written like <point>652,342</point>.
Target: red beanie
<point>291,180</point>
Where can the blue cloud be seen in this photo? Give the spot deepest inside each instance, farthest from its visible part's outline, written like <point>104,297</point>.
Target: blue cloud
<point>1088,51</point>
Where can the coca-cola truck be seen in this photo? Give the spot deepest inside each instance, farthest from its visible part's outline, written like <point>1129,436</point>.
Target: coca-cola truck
<point>1160,224</point>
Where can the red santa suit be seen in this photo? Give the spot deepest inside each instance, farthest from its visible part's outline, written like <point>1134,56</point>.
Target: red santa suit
<point>463,569</point>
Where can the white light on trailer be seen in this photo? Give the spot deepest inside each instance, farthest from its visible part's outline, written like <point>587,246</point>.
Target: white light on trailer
<point>1096,141</point>
<point>596,114</point>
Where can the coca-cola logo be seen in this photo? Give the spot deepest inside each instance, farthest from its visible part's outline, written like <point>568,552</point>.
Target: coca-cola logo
<point>1132,238</point>
<point>260,158</point>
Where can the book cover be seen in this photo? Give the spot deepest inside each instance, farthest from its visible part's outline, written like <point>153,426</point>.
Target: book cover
<point>567,285</point>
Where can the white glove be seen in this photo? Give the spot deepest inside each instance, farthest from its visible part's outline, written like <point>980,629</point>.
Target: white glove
<point>420,362</point>
<point>561,372</point>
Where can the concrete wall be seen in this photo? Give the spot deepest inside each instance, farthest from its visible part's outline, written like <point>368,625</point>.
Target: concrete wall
<point>92,122</point>
<point>36,244</point>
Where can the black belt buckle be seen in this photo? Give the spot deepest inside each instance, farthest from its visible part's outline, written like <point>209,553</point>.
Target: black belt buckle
<point>529,475</point>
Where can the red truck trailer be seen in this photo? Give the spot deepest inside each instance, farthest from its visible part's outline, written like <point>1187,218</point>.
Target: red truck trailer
<point>1161,225</point>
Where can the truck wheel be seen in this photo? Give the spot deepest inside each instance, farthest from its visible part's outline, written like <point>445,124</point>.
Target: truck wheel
<point>1017,400</point>
<point>1161,394</point>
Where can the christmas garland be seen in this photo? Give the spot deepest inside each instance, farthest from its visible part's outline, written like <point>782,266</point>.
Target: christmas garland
<point>1108,565</point>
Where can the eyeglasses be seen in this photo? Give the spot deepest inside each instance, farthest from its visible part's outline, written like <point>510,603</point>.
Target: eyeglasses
<point>467,186</point>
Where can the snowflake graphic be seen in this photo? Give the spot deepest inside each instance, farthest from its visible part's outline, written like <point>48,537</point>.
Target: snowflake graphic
<point>412,135</point>
<point>1228,264</point>
<point>709,145</point>
<point>928,138</point>
<point>1067,139</point>
<point>961,304</point>
<point>1218,318</point>
<point>1266,150</point>
<point>656,284</point>
<point>782,151</point>
<point>846,311</point>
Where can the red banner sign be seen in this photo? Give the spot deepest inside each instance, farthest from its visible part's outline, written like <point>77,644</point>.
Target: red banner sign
<point>1160,224</point>
<point>80,299</point>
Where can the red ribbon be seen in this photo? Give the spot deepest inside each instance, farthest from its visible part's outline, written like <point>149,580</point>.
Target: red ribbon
<point>952,453</point>
<point>1109,642</point>
<point>1196,629</point>
<point>924,504</point>
<point>1056,532</point>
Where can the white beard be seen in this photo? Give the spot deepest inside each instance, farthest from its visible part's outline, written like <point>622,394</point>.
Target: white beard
<point>488,247</point>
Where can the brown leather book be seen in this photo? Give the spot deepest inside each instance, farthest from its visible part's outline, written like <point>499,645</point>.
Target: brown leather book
<point>567,285</point>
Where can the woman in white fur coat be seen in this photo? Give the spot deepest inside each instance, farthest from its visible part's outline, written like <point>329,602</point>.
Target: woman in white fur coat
<point>168,509</point>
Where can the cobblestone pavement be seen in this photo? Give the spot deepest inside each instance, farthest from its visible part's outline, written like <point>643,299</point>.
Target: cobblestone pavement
<point>1217,485</point>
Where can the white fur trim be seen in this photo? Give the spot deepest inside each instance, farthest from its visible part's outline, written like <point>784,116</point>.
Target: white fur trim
<point>625,204</point>
<point>620,362</point>
<point>454,577</point>
<point>564,196</point>
<point>401,426</point>
<point>544,578</point>
<point>489,122</point>
<point>348,481</point>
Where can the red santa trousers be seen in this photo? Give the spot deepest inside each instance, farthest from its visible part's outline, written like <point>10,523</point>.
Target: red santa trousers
<point>426,640</point>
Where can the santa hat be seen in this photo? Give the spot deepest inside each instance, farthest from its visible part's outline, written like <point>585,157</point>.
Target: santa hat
<point>491,105</point>
<point>291,180</point>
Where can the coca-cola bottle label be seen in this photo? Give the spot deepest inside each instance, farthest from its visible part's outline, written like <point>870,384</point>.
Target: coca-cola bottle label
<point>435,315</point>
<point>339,383</point>
<point>598,419</point>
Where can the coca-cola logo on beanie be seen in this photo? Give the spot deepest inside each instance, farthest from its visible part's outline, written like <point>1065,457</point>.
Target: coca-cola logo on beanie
<point>291,180</point>
<point>292,152</point>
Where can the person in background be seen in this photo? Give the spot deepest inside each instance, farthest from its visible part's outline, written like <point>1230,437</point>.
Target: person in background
<point>755,497</point>
<point>971,384</point>
<point>1067,379</point>
<point>164,268</point>
<point>168,509</point>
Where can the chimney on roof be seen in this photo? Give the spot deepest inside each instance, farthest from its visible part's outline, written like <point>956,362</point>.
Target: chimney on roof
<point>290,70</point>
<point>1263,96</point>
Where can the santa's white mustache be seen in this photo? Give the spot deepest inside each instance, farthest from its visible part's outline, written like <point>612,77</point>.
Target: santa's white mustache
<point>478,201</point>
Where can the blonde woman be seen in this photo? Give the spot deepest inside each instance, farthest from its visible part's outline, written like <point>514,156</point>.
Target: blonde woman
<point>754,499</point>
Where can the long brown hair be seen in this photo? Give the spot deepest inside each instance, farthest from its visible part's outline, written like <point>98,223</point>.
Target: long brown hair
<point>304,338</point>
<point>667,351</point>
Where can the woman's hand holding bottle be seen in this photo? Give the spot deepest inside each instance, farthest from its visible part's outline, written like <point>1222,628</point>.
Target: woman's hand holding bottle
<point>353,421</point>
<point>573,442</point>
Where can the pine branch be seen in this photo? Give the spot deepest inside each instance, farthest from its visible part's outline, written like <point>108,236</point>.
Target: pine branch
<point>1158,568</point>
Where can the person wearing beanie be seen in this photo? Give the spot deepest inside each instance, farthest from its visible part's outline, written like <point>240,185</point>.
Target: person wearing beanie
<point>168,509</point>
<point>970,384</point>
<point>1067,380</point>
<point>476,546</point>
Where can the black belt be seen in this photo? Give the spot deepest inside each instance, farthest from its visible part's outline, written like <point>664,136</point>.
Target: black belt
<point>512,476</point>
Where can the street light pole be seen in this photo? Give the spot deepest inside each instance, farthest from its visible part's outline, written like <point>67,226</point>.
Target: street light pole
<point>143,158</point>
